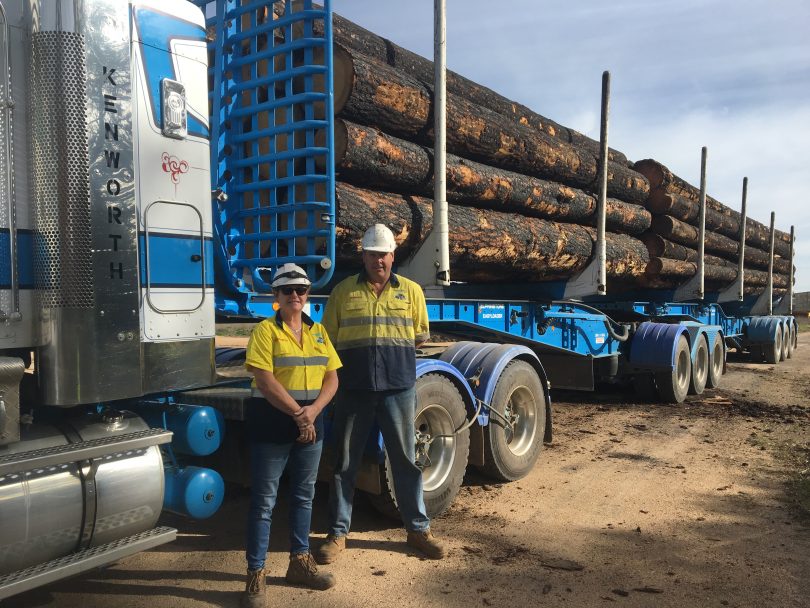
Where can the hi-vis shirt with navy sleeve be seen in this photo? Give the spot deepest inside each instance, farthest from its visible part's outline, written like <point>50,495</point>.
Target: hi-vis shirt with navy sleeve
<point>376,336</point>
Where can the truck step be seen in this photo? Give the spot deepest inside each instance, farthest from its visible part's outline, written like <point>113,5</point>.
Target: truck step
<point>84,450</point>
<point>82,561</point>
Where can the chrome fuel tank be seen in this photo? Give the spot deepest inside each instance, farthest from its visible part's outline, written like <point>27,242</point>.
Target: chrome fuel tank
<point>52,511</point>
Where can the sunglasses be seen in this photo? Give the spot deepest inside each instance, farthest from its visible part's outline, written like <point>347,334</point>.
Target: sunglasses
<point>287,291</point>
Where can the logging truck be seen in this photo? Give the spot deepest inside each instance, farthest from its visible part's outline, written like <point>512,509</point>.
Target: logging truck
<point>160,158</point>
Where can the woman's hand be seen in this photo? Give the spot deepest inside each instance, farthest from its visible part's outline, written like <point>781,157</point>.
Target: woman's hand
<point>306,415</point>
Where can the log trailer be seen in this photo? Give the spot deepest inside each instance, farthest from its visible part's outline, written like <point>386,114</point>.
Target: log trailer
<point>158,161</point>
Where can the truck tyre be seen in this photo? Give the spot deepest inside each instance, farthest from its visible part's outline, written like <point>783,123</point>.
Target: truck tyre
<point>773,351</point>
<point>511,446</point>
<point>644,386</point>
<point>717,359</point>
<point>700,368</point>
<point>794,331</point>
<point>788,338</point>
<point>785,340</point>
<point>673,386</point>
<point>439,411</point>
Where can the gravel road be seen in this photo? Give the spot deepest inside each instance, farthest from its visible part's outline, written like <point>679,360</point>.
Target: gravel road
<point>632,505</point>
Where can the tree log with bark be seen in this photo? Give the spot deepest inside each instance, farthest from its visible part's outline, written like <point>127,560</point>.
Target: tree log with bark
<point>375,94</point>
<point>351,36</point>
<point>719,275</point>
<point>367,157</point>
<point>667,190</point>
<point>485,245</point>
<point>686,234</point>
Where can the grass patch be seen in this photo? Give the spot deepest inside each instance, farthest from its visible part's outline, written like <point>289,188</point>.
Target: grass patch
<point>235,330</point>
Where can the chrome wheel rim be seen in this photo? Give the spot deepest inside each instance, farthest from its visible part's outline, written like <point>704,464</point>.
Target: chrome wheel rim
<point>435,455</point>
<point>521,413</point>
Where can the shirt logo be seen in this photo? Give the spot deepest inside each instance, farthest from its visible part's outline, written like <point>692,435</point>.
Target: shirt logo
<point>318,338</point>
<point>400,296</point>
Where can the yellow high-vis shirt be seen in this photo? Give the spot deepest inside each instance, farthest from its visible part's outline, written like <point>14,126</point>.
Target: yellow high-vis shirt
<point>299,368</point>
<point>376,337</point>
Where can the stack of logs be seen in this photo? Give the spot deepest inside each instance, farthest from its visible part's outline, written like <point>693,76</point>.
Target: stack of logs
<point>521,188</point>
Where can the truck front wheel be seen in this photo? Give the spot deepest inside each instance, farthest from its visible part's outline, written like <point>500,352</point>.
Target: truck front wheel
<point>514,435</point>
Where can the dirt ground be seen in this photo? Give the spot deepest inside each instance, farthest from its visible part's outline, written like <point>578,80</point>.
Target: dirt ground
<point>703,504</point>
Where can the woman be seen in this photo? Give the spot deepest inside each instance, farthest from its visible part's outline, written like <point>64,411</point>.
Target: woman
<point>294,378</point>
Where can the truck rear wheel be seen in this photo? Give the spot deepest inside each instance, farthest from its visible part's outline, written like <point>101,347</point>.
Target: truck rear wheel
<point>716,362</point>
<point>785,339</point>
<point>673,386</point>
<point>440,453</point>
<point>514,436</point>
<point>773,351</point>
<point>700,368</point>
<point>788,337</point>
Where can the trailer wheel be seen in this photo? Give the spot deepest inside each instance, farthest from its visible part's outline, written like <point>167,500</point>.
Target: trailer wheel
<point>785,340</point>
<point>794,331</point>
<point>673,386</point>
<point>773,351</point>
<point>700,368</point>
<point>513,440</point>
<point>443,459</point>
<point>644,386</point>
<point>716,361</point>
<point>788,338</point>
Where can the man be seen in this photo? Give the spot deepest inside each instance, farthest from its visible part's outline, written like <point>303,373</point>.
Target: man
<point>376,320</point>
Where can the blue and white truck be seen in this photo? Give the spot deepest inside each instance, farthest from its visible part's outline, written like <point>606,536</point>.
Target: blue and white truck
<point>159,159</point>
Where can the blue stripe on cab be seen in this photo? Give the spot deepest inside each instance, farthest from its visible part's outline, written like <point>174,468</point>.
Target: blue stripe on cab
<point>172,263</point>
<point>25,259</point>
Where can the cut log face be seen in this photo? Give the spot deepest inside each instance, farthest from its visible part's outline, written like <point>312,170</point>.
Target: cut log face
<point>484,244</point>
<point>380,96</point>
<point>367,157</point>
<point>358,40</point>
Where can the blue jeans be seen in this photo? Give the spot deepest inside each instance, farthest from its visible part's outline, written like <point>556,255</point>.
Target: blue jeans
<point>355,413</point>
<point>267,462</point>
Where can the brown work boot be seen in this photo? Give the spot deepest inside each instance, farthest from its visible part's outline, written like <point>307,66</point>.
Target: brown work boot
<point>303,571</point>
<point>330,549</point>
<point>255,588</point>
<point>426,543</point>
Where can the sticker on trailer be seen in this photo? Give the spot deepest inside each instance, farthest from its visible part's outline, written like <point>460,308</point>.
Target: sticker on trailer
<point>599,338</point>
<point>491,311</point>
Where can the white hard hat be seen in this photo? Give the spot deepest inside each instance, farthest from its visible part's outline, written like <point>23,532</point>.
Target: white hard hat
<point>379,238</point>
<point>290,274</point>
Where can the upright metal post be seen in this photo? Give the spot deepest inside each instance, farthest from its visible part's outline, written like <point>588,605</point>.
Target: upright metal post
<point>440,222</point>
<point>593,279</point>
<point>430,264</point>
<point>769,291</point>
<point>601,243</point>
<point>736,291</point>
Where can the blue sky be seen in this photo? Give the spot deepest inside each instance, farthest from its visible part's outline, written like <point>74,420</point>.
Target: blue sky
<point>732,75</point>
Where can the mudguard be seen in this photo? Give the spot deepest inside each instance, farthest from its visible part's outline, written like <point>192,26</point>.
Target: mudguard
<point>762,330</point>
<point>653,345</point>
<point>481,364</point>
